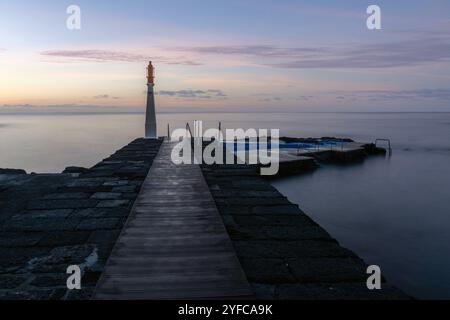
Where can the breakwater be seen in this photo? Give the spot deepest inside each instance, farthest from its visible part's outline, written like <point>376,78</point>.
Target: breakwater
<point>49,222</point>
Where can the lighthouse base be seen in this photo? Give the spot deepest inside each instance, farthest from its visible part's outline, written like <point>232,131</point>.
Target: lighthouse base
<point>150,118</point>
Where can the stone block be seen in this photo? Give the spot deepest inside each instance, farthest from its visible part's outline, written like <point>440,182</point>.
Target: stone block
<point>328,270</point>
<point>267,270</point>
<point>50,280</point>
<point>35,214</point>
<point>62,204</point>
<point>11,281</point>
<point>106,196</point>
<point>41,224</point>
<point>65,255</point>
<point>296,232</point>
<point>126,189</point>
<point>20,239</point>
<point>116,183</point>
<point>64,238</point>
<point>66,195</point>
<point>287,249</point>
<point>98,224</point>
<point>276,209</point>
<point>113,203</point>
<point>114,212</point>
<point>263,291</point>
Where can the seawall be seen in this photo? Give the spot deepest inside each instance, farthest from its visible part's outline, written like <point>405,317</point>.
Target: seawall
<point>48,222</point>
<point>284,253</point>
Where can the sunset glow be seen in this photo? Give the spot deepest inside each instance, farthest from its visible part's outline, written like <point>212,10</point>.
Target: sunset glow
<point>308,58</point>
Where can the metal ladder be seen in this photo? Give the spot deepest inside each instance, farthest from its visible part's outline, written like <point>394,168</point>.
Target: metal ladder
<point>388,142</point>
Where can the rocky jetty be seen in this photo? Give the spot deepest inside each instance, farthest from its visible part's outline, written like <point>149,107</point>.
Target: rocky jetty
<point>315,140</point>
<point>75,170</point>
<point>12,171</point>
<point>51,221</point>
<point>284,253</point>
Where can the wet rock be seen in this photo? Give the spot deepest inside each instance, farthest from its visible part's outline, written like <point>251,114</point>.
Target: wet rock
<point>12,171</point>
<point>19,239</point>
<point>50,280</point>
<point>11,281</point>
<point>283,252</point>
<point>65,196</point>
<point>372,149</point>
<point>98,224</point>
<point>45,214</point>
<point>334,139</point>
<point>62,204</point>
<point>75,170</point>
<point>270,270</point>
<point>50,221</point>
<point>40,224</point>
<point>328,270</point>
<point>106,195</point>
<point>264,291</point>
<point>64,238</point>
<point>113,203</point>
<point>125,189</point>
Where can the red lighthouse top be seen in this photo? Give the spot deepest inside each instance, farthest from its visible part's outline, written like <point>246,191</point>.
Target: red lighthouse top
<point>150,74</point>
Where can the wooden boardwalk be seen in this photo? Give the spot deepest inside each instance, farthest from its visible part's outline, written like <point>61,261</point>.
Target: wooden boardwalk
<point>174,244</point>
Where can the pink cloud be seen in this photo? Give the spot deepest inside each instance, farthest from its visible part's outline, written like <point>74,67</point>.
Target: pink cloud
<point>403,53</point>
<point>110,55</point>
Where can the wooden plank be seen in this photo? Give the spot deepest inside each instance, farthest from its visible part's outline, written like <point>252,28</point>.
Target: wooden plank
<point>174,244</point>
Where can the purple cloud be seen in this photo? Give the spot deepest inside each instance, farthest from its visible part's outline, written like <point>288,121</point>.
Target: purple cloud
<point>270,99</point>
<point>266,51</point>
<point>382,55</point>
<point>418,50</point>
<point>194,94</point>
<point>386,55</point>
<point>96,55</point>
<point>109,55</point>
<point>438,94</point>
<point>304,98</point>
<point>392,95</point>
<point>105,96</point>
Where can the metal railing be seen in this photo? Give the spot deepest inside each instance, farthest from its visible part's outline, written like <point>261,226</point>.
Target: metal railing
<point>322,145</point>
<point>384,140</point>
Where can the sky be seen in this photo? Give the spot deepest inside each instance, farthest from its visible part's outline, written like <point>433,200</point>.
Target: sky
<point>210,55</point>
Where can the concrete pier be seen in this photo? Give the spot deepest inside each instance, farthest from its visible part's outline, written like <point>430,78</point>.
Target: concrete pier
<point>177,232</point>
<point>293,161</point>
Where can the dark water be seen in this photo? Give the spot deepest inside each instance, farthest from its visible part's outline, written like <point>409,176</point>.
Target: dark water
<point>393,212</point>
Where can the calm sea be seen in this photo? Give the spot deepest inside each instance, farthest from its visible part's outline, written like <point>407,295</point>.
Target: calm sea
<point>394,212</point>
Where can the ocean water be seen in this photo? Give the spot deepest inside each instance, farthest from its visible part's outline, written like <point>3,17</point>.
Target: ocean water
<point>392,211</point>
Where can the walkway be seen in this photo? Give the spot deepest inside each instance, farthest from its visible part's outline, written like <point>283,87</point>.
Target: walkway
<point>174,244</point>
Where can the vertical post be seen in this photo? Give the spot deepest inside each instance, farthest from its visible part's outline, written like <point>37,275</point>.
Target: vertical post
<point>150,117</point>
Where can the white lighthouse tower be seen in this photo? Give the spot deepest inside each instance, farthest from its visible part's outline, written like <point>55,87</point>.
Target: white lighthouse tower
<point>150,118</point>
